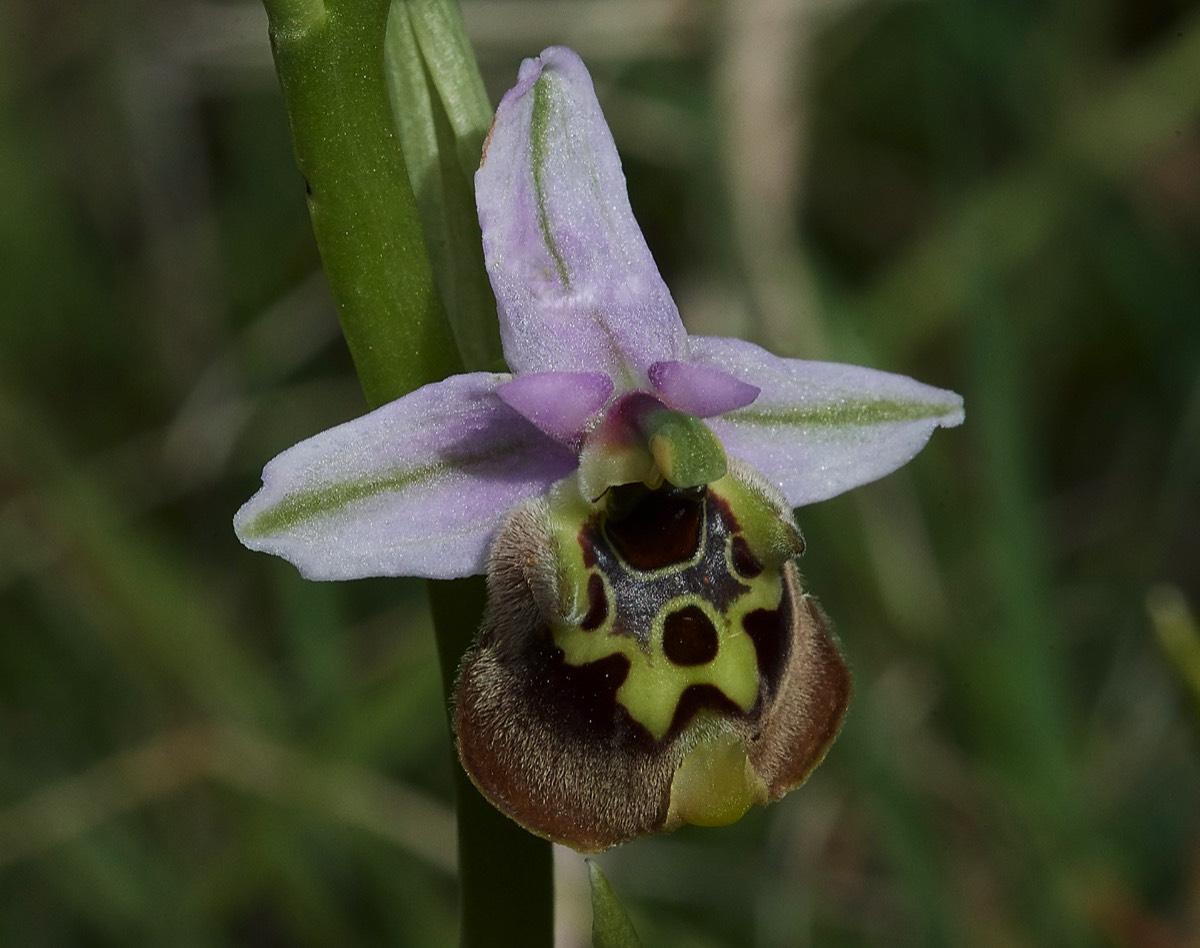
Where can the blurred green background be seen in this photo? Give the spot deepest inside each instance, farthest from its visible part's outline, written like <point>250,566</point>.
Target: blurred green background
<point>199,748</point>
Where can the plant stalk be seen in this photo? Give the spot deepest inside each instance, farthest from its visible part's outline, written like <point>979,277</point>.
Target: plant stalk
<point>330,61</point>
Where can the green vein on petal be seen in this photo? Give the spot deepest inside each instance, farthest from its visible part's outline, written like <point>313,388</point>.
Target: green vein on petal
<point>296,508</point>
<point>538,129</point>
<point>845,414</point>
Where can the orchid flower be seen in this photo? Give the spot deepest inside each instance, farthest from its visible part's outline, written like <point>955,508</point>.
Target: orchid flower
<point>648,656</point>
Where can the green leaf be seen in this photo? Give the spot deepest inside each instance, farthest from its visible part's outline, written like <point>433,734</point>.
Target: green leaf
<point>1178,634</point>
<point>442,114</point>
<point>611,927</point>
<point>451,63</point>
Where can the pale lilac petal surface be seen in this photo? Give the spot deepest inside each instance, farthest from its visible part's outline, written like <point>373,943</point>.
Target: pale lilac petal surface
<point>820,428</point>
<point>560,403</point>
<point>576,286</point>
<point>415,488</point>
<point>699,389</point>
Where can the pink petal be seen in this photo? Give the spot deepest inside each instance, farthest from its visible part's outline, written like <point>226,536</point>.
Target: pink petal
<point>576,286</point>
<point>699,389</point>
<point>415,488</point>
<point>560,403</point>
<point>820,428</point>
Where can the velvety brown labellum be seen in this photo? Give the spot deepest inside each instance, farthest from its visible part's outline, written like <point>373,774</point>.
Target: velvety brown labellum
<point>549,742</point>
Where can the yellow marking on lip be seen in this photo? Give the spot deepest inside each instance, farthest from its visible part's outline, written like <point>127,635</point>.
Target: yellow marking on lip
<point>655,685</point>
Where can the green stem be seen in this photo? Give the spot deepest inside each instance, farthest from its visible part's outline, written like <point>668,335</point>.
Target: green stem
<point>442,114</point>
<point>506,874</point>
<point>330,64</point>
<point>329,57</point>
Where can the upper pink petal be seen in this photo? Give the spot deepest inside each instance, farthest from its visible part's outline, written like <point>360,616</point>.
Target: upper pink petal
<point>576,287</point>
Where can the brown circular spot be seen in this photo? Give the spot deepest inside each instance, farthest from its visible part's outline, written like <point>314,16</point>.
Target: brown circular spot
<point>689,637</point>
<point>662,528</point>
<point>744,560</point>
<point>597,604</point>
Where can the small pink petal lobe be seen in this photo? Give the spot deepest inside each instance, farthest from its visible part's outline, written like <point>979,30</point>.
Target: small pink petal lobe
<point>559,403</point>
<point>700,390</point>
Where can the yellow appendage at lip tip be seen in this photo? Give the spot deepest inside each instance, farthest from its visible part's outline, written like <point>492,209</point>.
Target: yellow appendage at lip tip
<point>714,784</point>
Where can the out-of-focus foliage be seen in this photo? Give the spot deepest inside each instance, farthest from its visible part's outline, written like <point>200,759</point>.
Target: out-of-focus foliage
<point>199,748</point>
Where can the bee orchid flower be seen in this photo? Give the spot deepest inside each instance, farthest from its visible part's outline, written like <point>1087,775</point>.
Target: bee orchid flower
<point>648,656</point>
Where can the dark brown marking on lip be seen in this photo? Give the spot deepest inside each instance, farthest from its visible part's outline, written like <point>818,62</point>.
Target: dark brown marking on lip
<point>770,632</point>
<point>661,529</point>
<point>697,698</point>
<point>636,594</point>
<point>689,637</point>
<point>588,693</point>
<point>587,546</point>
<point>724,511</point>
<point>744,560</point>
<point>597,604</point>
